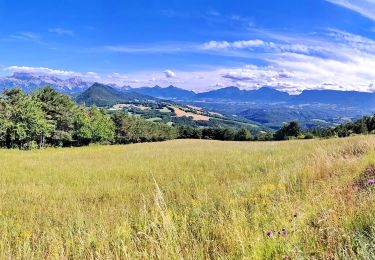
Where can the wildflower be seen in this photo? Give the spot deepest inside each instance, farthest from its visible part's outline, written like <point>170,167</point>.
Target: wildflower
<point>269,233</point>
<point>194,202</point>
<point>284,232</point>
<point>371,182</point>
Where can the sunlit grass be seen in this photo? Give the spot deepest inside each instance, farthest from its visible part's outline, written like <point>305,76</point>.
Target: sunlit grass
<point>189,199</point>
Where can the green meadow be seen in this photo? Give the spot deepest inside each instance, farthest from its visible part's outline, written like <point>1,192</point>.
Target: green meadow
<point>190,199</point>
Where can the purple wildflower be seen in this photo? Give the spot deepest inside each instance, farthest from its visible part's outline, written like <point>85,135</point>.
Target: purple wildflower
<point>269,233</point>
<point>371,182</point>
<point>284,232</point>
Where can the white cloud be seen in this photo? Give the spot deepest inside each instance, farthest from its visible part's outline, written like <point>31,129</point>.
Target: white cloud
<point>216,45</point>
<point>155,48</point>
<point>42,70</point>
<point>169,74</point>
<point>333,60</point>
<point>25,36</point>
<point>363,7</point>
<point>61,31</point>
<point>248,44</point>
<point>92,75</point>
<point>253,44</point>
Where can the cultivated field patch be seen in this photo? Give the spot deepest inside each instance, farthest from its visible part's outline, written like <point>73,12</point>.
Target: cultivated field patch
<point>196,117</point>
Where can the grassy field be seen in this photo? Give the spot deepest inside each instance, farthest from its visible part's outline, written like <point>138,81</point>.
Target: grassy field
<point>190,199</point>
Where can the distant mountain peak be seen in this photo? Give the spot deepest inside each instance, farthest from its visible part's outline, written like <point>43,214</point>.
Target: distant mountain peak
<point>267,88</point>
<point>105,95</point>
<point>30,81</point>
<point>264,94</point>
<point>231,87</point>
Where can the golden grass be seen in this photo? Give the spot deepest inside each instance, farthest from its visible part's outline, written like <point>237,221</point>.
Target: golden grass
<point>188,199</point>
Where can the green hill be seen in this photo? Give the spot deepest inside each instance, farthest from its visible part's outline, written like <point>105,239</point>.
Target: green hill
<point>103,95</point>
<point>157,109</point>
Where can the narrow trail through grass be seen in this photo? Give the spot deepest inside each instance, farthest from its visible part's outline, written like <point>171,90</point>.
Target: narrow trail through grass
<point>189,199</point>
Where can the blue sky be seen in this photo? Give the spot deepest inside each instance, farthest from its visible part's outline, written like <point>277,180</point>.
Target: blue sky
<point>195,44</point>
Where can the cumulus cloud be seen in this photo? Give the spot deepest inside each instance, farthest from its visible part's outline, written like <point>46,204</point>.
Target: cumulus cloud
<point>215,45</point>
<point>169,74</point>
<point>248,44</point>
<point>238,75</point>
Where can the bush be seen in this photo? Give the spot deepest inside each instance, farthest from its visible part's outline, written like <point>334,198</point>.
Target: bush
<point>309,136</point>
<point>32,145</point>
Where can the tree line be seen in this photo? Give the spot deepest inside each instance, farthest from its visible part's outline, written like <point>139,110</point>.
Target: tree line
<point>291,130</point>
<point>48,118</point>
<point>363,125</point>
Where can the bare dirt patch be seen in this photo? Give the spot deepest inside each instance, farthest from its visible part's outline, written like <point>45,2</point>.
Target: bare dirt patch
<point>196,117</point>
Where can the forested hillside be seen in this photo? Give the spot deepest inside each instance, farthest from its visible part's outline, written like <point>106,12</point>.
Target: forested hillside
<point>103,95</point>
<point>49,118</point>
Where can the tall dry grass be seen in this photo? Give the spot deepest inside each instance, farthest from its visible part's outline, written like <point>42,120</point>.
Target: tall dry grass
<point>189,199</point>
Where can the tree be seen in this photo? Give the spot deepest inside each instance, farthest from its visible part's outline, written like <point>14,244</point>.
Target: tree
<point>24,120</point>
<point>82,126</point>
<point>5,124</point>
<point>264,136</point>
<point>371,124</point>
<point>189,132</point>
<point>134,129</point>
<point>360,126</point>
<point>102,126</point>
<point>59,110</point>
<point>243,134</point>
<point>288,130</point>
<point>227,134</point>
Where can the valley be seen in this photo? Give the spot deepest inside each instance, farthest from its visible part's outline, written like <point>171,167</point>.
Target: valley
<point>265,107</point>
<point>154,109</point>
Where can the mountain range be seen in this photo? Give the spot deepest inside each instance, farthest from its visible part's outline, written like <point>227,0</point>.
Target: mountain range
<point>265,95</point>
<point>29,82</point>
<point>271,115</point>
<point>265,105</point>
